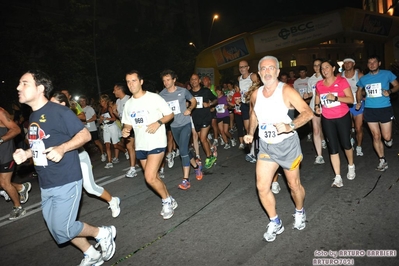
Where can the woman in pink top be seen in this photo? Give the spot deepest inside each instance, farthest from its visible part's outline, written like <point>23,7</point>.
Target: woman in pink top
<point>333,94</point>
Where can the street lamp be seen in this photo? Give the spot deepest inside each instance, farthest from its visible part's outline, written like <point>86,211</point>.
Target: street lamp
<point>192,44</point>
<point>210,31</point>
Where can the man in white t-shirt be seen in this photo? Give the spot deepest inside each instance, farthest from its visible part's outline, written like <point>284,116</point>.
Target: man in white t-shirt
<point>120,93</point>
<point>90,124</point>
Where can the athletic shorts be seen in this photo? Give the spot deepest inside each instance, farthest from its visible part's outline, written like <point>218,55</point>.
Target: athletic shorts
<point>94,135</point>
<point>287,154</point>
<point>7,167</point>
<point>111,133</point>
<point>202,122</point>
<point>142,155</point>
<point>382,115</point>
<point>245,111</point>
<point>225,120</point>
<point>354,112</point>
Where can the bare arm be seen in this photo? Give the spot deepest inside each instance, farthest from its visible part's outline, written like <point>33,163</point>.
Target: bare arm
<point>253,120</point>
<point>6,121</point>
<point>191,106</point>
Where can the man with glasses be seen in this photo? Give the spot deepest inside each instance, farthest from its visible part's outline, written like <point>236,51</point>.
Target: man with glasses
<point>272,108</point>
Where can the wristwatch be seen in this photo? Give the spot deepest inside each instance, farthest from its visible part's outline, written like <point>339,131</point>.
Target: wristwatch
<point>292,125</point>
<point>160,122</point>
<point>1,141</point>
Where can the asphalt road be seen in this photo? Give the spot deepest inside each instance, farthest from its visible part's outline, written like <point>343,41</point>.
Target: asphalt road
<point>220,221</point>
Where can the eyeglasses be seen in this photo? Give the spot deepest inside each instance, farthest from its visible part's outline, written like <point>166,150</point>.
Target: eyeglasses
<point>270,68</point>
<point>242,67</point>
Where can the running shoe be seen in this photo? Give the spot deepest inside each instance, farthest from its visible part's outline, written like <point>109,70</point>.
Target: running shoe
<point>170,160</point>
<point>389,143</point>
<point>221,141</point>
<point>107,243</point>
<point>351,172</point>
<point>250,158</point>
<point>233,142</point>
<point>16,212</point>
<point>131,172</point>
<point>276,187</point>
<point>226,146</point>
<point>215,142</point>
<point>352,142</point>
<point>198,171</point>
<point>115,160</point>
<point>319,160</point>
<point>108,165</point>
<point>161,173</point>
<point>309,137</point>
<point>103,157</point>
<point>323,144</point>
<point>382,166</point>
<point>185,184</point>
<point>114,206</point>
<point>359,151</point>
<point>299,220</point>
<point>337,182</point>
<point>24,194</point>
<point>127,155</point>
<point>210,161</point>
<point>242,146</point>
<point>273,229</point>
<point>177,153</point>
<point>166,212</point>
<point>89,261</point>
<point>5,195</point>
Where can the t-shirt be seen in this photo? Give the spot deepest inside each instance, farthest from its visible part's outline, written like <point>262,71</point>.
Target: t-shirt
<point>203,95</point>
<point>333,109</point>
<point>301,85</point>
<point>50,126</point>
<point>221,108</point>
<point>141,112</point>
<point>237,109</point>
<point>374,85</point>
<point>89,112</point>
<point>120,104</point>
<point>177,103</point>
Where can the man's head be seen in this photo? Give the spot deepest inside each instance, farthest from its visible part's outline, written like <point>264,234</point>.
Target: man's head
<point>302,71</point>
<point>284,77</point>
<point>33,85</point>
<point>194,81</point>
<point>134,81</point>
<point>119,90</point>
<point>349,63</point>
<point>206,81</point>
<point>243,67</point>
<point>268,69</point>
<point>83,101</point>
<point>66,92</point>
<point>169,78</point>
<point>373,63</point>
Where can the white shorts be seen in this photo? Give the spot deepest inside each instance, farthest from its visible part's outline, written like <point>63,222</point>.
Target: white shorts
<point>111,133</point>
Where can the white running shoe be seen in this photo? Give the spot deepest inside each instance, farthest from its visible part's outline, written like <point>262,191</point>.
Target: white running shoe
<point>233,142</point>
<point>226,146</point>
<point>108,165</point>
<point>5,195</point>
<point>299,220</point>
<point>242,146</point>
<point>221,141</point>
<point>107,243</point>
<point>103,157</point>
<point>324,144</point>
<point>276,187</point>
<point>319,160</point>
<point>114,206</point>
<point>382,166</point>
<point>170,160</point>
<point>161,173</point>
<point>89,261</point>
<point>115,160</point>
<point>127,155</point>
<point>273,229</point>
<point>389,143</point>
<point>359,151</point>
<point>177,153</point>
<point>351,172</point>
<point>337,182</point>
<point>131,173</point>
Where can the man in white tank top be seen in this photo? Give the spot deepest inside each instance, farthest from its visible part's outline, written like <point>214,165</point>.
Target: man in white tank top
<point>352,75</point>
<point>272,109</point>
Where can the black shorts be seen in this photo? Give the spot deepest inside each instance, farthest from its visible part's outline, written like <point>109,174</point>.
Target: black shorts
<point>382,115</point>
<point>7,167</point>
<point>94,135</point>
<point>225,120</point>
<point>202,122</point>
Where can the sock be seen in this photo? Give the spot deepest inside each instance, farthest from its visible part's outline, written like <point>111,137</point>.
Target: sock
<point>383,158</point>
<point>132,168</point>
<point>301,211</point>
<point>167,200</point>
<point>101,233</point>
<point>276,220</point>
<point>91,252</point>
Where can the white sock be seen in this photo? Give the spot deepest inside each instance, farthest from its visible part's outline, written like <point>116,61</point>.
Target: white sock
<point>91,252</point>
<point>101,233</point>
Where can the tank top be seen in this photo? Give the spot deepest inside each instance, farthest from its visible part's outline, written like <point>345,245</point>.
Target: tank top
<point>270,111</point>
<point>244,84</point>
<point>352,82</point>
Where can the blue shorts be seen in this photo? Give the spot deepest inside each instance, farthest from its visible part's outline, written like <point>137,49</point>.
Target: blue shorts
<point>245,111</point>
<point>354,112</point>
<point>142,155</point>
<point>60,206</point>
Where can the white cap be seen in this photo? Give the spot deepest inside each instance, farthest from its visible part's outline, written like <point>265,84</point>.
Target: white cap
<point>349,60</point>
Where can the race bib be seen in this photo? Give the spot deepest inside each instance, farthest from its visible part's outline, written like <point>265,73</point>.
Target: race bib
<point>140,119</point>
<point>174,106</point>
<point>220,108</point>
<point>267,132</point>
<point>200,102</point>
<point>327,103</point>
<point>374,90</point>
<point>37,147</point>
